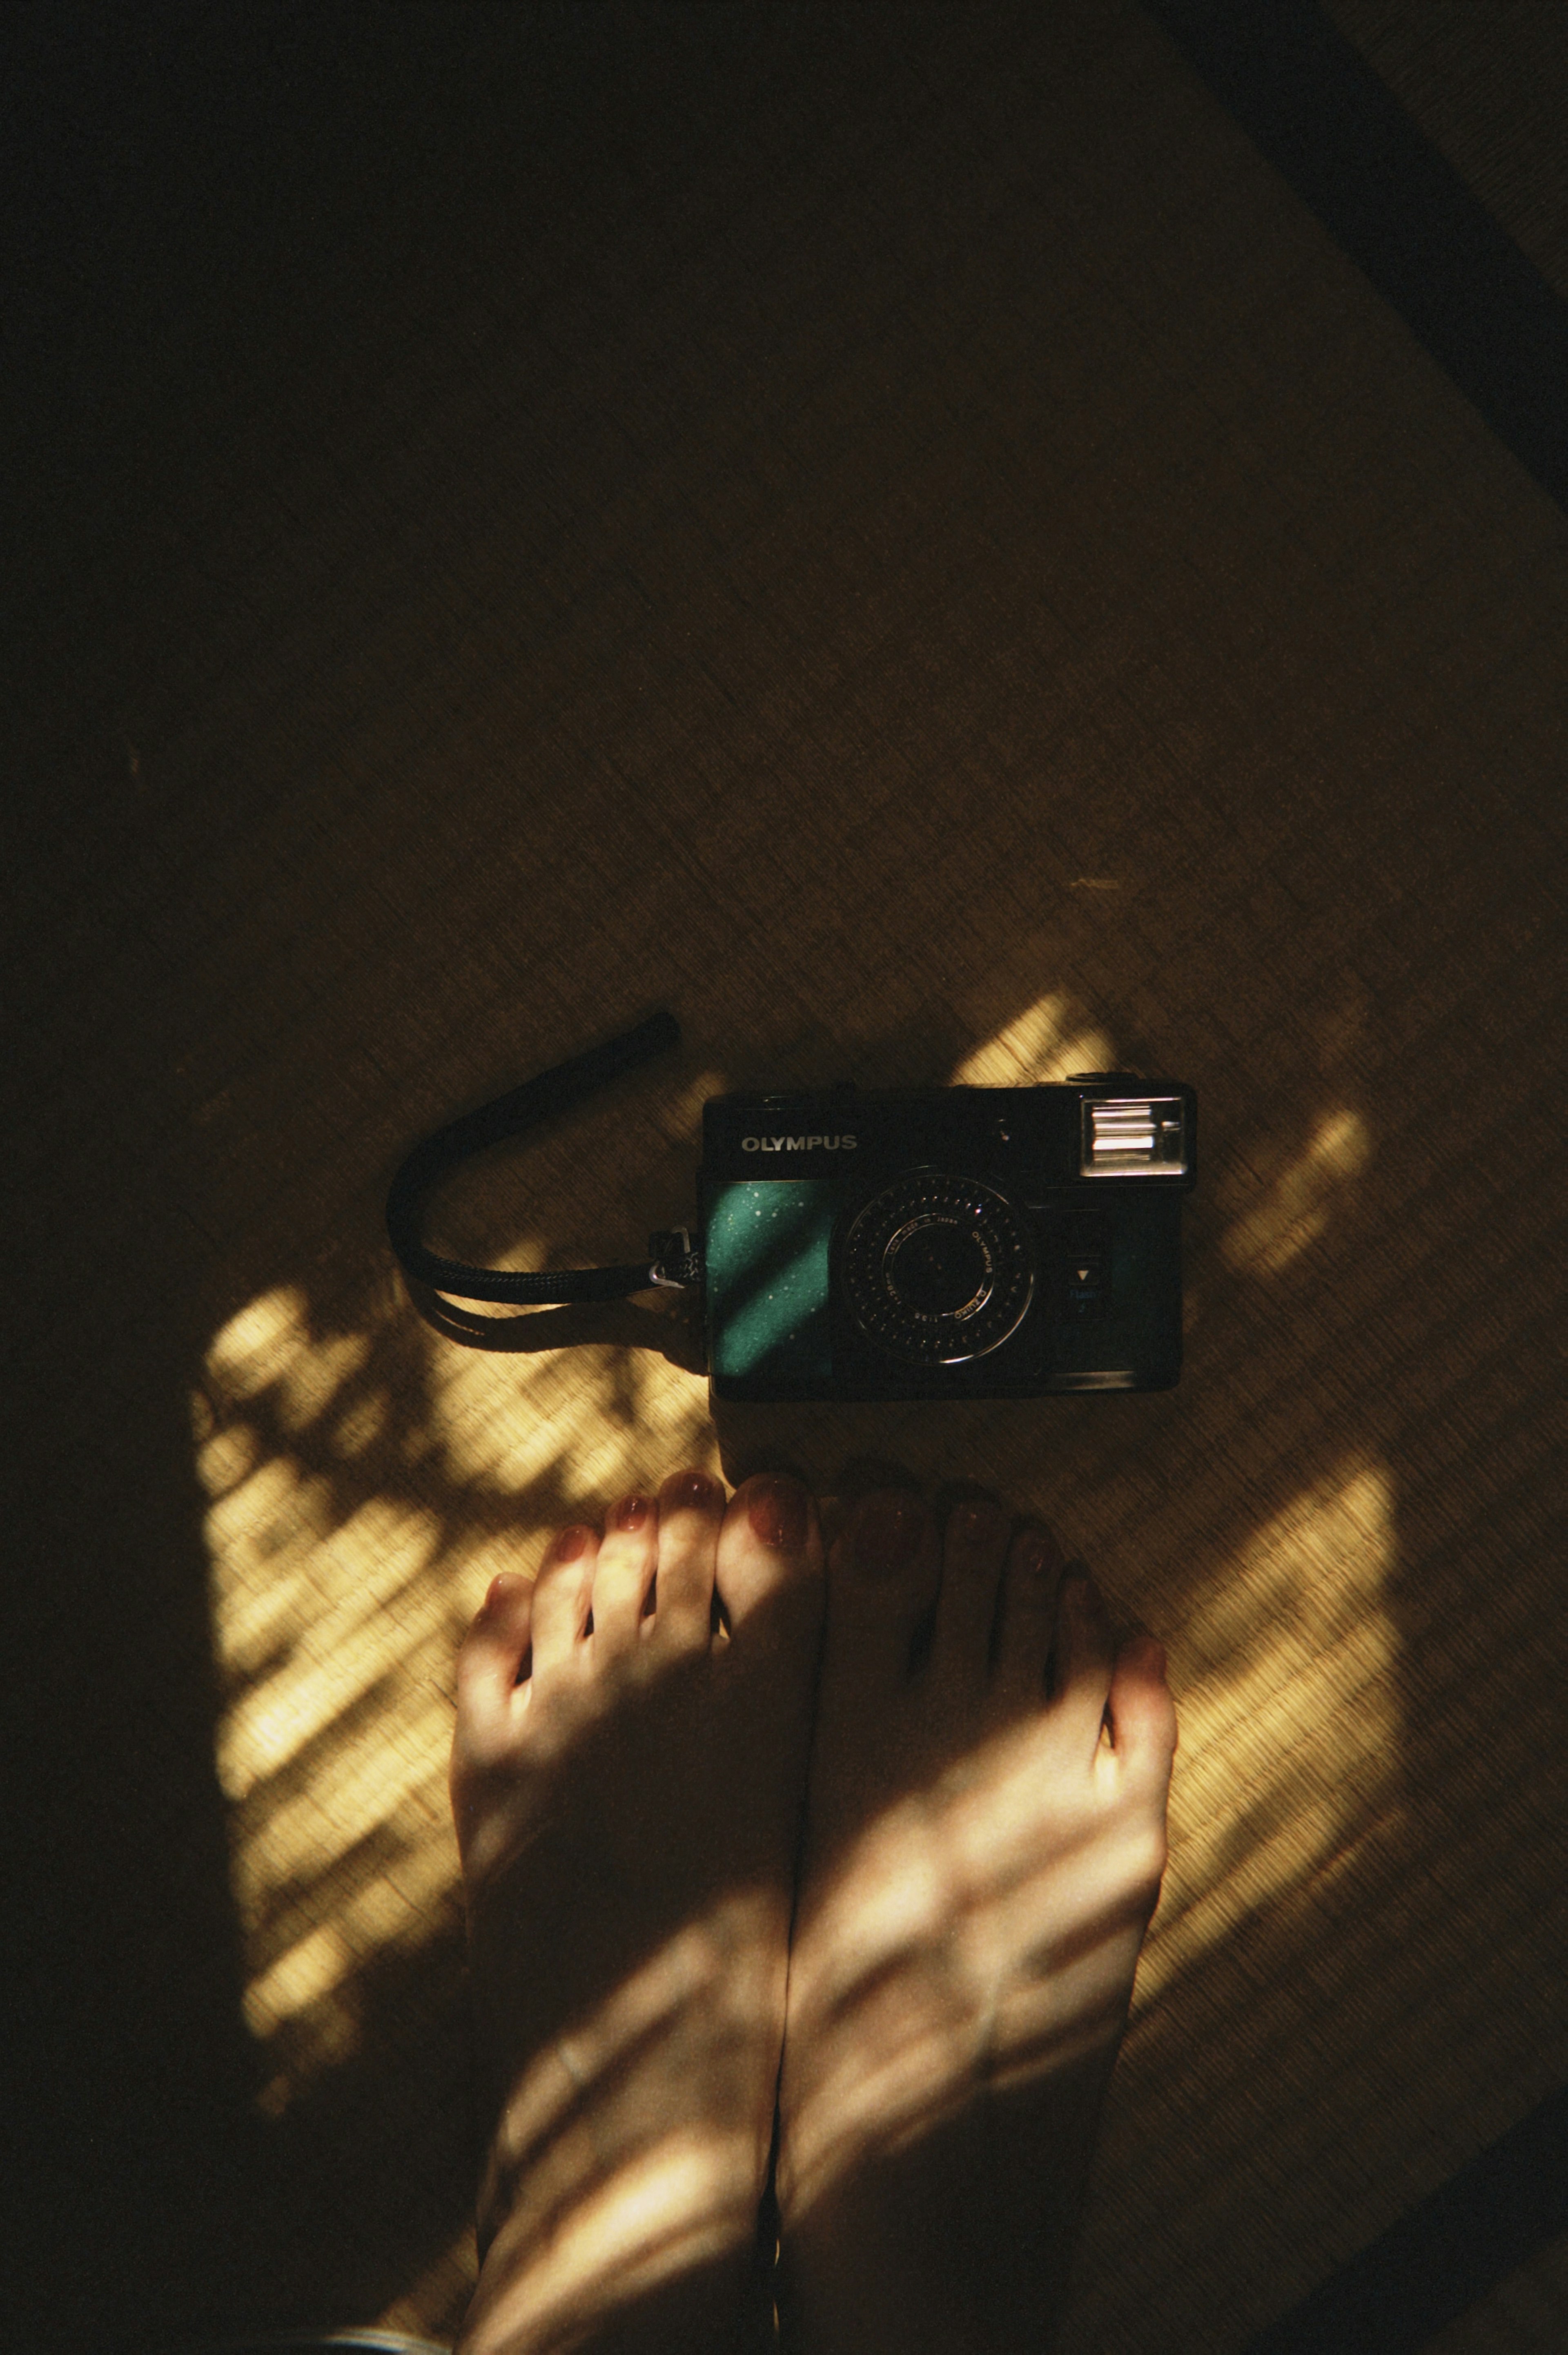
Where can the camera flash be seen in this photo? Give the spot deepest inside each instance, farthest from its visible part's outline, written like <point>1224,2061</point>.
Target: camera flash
<point>1133,1136</point>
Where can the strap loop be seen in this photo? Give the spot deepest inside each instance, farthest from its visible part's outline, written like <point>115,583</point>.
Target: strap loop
<point>672,1259</point>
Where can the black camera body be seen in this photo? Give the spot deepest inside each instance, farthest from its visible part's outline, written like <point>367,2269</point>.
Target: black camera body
<point>945,1242</point>
<point>897,1243</point>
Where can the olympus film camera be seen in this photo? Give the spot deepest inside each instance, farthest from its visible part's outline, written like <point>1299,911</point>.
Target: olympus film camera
<point>899,1243</point>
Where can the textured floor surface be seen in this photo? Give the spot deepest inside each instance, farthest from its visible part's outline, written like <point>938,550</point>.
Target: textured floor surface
<point>892,533</point>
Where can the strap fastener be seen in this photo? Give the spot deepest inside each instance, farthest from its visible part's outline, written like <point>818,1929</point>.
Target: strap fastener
<point>677,1263</point>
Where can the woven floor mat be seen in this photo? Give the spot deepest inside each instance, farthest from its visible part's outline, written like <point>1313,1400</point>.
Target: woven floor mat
<point>892,533</point>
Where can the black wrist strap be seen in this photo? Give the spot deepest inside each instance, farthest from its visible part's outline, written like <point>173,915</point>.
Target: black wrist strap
<point>671,1260</point>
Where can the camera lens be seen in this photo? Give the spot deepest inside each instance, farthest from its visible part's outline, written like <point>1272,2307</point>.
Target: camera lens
<point>938,1269</point>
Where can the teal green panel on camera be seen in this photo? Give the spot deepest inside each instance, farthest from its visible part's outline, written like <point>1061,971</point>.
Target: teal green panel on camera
<point>767,1254</point>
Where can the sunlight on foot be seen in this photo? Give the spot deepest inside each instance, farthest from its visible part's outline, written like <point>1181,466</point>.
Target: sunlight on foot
<point>627,1782</point>
<point>985,1842</point>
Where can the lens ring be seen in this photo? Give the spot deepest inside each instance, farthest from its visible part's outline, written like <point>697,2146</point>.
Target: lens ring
<point>938,1269</point>
<point>914,1241</point>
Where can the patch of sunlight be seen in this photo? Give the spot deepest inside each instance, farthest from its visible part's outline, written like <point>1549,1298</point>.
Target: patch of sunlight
<point>606,1415</point>
<point>1052,1038</point>
<point>261,1348</point>
<point>670,2204</point>
<point>1296,1209</point>
<point>312,1968</point>
<point>363,1489</point>
<point>362,1586</point>
<point>244,1356</point>
<point>1290,1718</point>
<point>683,2196</point>
<point>676,2205</point>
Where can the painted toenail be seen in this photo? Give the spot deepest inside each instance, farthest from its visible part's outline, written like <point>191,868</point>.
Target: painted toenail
<point>570,1544</point>
<point>778,1513</point>
<point>631,1513</point>
<point>1037,1553</point>
<point>498,1590</point>
<point>692,1492</point>
<point>888,1536</point>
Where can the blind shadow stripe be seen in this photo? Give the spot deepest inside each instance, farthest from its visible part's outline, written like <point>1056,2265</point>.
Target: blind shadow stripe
<point>1437,2262</point>
<point>1332,128</point>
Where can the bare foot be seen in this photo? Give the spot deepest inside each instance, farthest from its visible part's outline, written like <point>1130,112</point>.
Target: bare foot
<point>985,1841</point>
<point>628,1791</point>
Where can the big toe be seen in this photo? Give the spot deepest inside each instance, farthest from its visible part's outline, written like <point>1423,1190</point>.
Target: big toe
<point>1143,1714</point>
<point>871,1734</point>
<point>770,1555</point>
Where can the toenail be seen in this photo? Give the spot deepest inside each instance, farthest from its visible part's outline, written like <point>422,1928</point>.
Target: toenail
<point>888,1536</point>
<point>778,1512</point>
<point>692,1492</point>
<point>570,1544</point>
<point>1037,1553</point>
<point>498,1590</point>
<point>631,1513</point>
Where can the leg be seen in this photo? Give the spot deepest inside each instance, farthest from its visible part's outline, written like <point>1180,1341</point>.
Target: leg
<point>985,1841</point>
<point>626,1781</point>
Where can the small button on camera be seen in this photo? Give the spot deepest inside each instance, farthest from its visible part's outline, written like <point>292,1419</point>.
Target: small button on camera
<point>1085,1246</point>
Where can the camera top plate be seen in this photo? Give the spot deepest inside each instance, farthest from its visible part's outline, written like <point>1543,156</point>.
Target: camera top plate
<point>1103,1128</point>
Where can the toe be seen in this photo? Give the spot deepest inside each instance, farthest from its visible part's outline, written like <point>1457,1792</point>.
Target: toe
<point>563,1593</point>
<point>492,1659</point>
<point>1027,1620</point>
<point>974,1546</point>
<point>623,1574</point>
<point>493,1656</point>
<point>882,1578</point>
<point>1143,1713</point>
<point>771,1547</point>
<point>691,1510</point>
<point>1084,1657</point>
